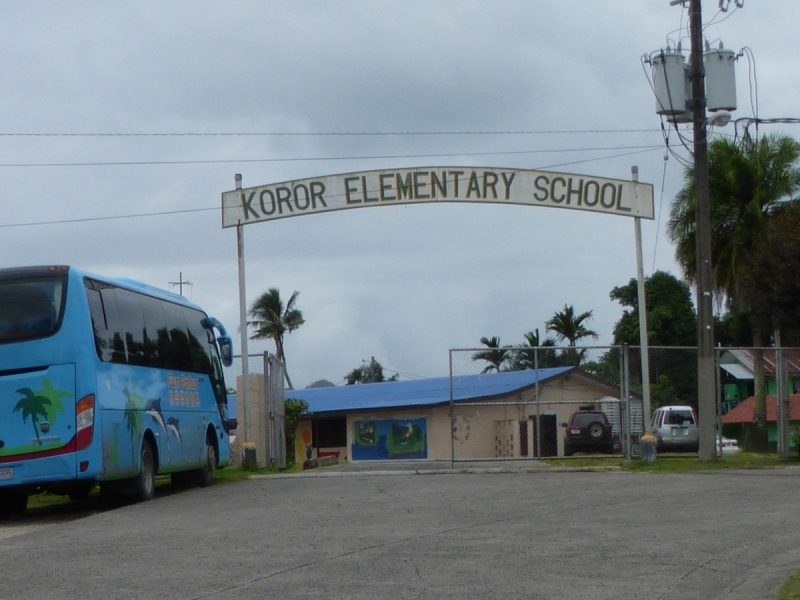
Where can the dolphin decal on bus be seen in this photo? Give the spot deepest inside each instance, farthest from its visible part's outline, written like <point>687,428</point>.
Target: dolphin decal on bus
<point>153,408</point>
<point>172,425</point>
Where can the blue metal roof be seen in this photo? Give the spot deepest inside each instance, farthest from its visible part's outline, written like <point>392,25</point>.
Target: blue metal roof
<point>421,392</point>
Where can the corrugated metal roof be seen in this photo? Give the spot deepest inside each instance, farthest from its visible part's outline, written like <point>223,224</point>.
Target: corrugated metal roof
<point>422,392</point>
<point>737,370</point>
<point>743,412</point>
<point>746,357</point>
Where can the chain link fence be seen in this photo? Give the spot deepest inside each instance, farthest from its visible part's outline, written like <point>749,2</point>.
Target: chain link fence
<point>758,398</point>
<point>548,387</point>
<point>531,423</point>
<point>554,389</point>
<point>261,420</point>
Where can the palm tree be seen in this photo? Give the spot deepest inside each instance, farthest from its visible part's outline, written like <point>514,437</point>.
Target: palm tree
<point>748,181</point>
<point>32,406</point>
<point>495,356</point>
<point>535,351</point>
<point>272,321</point>
<point>569,326</point>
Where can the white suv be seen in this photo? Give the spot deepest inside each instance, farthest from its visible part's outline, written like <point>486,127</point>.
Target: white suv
<point>675,427</point>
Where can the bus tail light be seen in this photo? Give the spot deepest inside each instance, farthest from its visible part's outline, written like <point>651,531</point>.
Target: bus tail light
<point>84,421</point>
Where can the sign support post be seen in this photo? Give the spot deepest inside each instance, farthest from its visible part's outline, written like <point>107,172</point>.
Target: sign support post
<point>637,224</point>
<point>243,322</point>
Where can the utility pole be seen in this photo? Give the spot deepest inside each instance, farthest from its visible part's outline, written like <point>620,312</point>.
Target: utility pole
<point>706,368</point>
<point>180,283</point>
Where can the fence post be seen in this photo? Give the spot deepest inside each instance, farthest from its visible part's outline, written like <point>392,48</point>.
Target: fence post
<point>781,398</point>
<point>626,379</point>
<point>718,371</point>
<point>452,415</point>
<point>269,434</point>
<point>538,408</point>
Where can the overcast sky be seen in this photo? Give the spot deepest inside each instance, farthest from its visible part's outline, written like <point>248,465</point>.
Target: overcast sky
<point>563,81</point>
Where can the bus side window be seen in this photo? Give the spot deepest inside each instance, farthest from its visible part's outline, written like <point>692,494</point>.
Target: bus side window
<point>99,327</point>
<point>178,340</point>
<point>114,348</point>
<point>156,338</point>
<point>198,341</point>
<point>132,321</point>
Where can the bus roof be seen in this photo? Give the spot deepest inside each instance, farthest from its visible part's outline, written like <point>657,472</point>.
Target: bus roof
<point>123,282</point>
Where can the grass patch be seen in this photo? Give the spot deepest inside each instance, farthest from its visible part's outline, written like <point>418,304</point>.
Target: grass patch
<point>671,463</point>
<point>791,589</point>
<point>740,460</point>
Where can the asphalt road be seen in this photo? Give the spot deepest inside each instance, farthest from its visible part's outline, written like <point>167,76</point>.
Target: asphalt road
<point>350,535</point>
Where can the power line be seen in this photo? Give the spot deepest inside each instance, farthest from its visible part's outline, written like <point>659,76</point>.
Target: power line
<point>109,218</point>
<point>322,133</point>
<point>217,208</point>
<point>311,159</point>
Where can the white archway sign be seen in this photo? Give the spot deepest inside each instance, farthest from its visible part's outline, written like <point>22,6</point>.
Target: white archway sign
<point>436,184</point>
<point>390,187</point>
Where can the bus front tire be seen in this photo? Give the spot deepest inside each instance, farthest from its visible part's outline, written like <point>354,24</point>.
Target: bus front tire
<point>146,481</point>
<point>205,476</point>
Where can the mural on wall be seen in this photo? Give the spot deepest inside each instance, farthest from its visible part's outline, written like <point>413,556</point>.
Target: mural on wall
<point>303,448</point>
<point>460,429</point>
<point>381,439</point>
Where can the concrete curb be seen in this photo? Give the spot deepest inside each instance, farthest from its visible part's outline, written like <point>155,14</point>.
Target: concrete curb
<point>454,471</point>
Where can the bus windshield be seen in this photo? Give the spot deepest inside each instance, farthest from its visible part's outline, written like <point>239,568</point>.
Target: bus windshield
<point>30,307</point>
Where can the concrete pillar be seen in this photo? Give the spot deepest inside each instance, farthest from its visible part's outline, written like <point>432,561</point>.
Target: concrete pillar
<point>258,418</point>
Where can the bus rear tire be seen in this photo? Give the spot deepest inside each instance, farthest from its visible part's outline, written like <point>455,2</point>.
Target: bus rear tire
<point>12,504</point>
<point>80,493</point>
<point>145,483</point>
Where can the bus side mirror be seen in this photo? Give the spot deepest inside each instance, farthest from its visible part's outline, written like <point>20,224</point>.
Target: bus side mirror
<point>225,350</point>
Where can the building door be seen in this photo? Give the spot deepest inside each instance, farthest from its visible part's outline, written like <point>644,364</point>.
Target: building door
<point>548,429</point>
<point>523,438</point>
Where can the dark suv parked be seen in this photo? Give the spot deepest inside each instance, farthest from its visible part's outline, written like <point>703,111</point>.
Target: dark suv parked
<point>588,431</point>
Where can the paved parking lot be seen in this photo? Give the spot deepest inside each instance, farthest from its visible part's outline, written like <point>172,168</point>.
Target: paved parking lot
<point>401,536</point>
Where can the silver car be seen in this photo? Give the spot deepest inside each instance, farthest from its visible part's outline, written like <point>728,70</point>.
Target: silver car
<point>675,428</point>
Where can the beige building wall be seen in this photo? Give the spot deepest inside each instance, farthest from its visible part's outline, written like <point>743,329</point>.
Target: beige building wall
<point>490,428</point>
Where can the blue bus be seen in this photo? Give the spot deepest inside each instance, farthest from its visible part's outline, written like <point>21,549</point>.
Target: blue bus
<point>106,381</point>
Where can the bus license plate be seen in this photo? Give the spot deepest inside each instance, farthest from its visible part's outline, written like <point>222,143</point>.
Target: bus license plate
<point>6,473</point>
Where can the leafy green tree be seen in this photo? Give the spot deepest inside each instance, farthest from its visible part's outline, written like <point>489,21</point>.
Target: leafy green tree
<point>371,372</point>
<point>495,355</point>
<point>748,181</point>
<point>671,318</point>
<point>671,321</point>
<point>33,406</point>
<point>273,321</point>
<point>293,410</point>
<point>771,287</point>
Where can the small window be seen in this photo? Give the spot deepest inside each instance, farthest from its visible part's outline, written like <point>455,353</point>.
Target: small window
<point>680,417</point>
<point>330,433</point>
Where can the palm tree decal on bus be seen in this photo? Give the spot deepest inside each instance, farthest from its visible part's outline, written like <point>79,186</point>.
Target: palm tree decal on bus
<point>133,416</point>
<point>33,406</point>
<point>51,393</point>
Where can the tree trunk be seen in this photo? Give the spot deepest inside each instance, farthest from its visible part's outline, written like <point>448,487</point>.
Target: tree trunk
<point>286,375</point>
<point>759,441</point>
